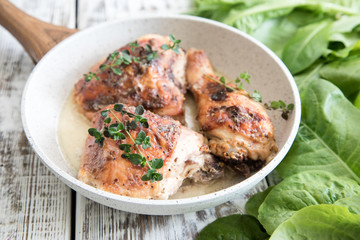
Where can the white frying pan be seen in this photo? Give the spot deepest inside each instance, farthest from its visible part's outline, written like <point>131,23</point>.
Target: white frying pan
<point>54,76</point>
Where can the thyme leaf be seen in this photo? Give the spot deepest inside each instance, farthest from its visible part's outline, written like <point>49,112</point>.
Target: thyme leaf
<point>118,58</point>
<point>174,45</point>
<point>120,131</point>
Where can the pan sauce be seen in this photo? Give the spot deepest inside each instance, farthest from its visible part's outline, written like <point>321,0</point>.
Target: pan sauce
<point>73,131</point>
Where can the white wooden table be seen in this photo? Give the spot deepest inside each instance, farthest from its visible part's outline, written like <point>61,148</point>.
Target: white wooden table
<point>34,204</point>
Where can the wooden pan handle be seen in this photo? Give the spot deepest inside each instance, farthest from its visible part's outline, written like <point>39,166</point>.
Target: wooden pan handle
<point>37,37</point>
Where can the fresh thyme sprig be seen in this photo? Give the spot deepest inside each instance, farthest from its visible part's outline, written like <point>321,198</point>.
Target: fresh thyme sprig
<point>175,45</point>
<point>285,108</point>
<point>221,81</point>
<point>256,96</point>
<point>121,130</point>
<point>118,58</point>
<point>239,86</point>
<point>239,80</point>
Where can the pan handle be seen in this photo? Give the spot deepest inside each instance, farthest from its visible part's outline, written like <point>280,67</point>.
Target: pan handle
<point>37,37</point>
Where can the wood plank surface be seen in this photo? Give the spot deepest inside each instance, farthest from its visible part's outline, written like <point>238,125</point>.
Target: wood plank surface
<point>95,221</point>
<point>34,204</point>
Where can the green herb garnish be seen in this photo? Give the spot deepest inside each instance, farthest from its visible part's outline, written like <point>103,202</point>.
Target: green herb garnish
<point>134,45</point>
<point>175,45</point>
<point>121,130</point>
<point>243,76</point>
<point>286,108</point>
<point>123,57</point>
<point>116,59</point>
<point>238,82</point>
<point>256,96</point>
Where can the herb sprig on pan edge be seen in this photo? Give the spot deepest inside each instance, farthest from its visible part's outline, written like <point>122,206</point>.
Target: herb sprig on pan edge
<point>281,105</point>
<point>121,130</point>
<point>118,58</point>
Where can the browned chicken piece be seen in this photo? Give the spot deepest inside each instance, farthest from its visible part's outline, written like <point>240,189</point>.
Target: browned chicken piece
<point>157,84</point>
<point>184,152</point>
<point>239,130</point>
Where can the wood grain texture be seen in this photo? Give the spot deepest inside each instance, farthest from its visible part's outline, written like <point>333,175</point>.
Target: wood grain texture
<point>36,36</point>
<point>95,221</point>
<point>34,204</point>
<point>97,11</point>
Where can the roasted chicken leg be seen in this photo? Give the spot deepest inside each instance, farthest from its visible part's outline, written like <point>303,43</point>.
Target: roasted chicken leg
<point>184,152</point>
<point>239,130</point>
<point>156,80</point>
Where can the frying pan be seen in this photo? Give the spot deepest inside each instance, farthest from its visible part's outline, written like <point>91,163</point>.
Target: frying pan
<point>59,68</point>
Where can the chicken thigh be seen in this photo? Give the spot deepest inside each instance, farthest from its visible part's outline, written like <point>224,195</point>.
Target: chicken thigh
<point>184,153</point>
<point>150,76</point>
<point>239,130</point>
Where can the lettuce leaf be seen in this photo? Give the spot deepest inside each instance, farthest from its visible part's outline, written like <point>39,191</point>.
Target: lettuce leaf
<point>253,204</point>
<point>328,136</point>
<point>302,190</point>
<point>352,203</point>
<point>308,44</point>
<point>320,222</point>
<point>233,227</point>
<point>344,73</point>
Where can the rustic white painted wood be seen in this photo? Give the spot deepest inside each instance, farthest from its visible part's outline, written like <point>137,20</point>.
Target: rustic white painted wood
<point>34,204</point>
<point>97,11</point>
<point>95,221</point>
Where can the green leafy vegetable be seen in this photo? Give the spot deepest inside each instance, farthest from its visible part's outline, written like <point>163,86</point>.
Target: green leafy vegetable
<point>248,19</point>
<point>328,137</point>
<point>249,15</point>
<point>233,227</point>
<point>357,101</point>
<point>284,30</point>
<point>320,222</point>
<point>344,73</point>
<point>345,24</point>
<point>253,204</point>
<point>352,203</point>
<point>308,44</point>
<point>301,190</point>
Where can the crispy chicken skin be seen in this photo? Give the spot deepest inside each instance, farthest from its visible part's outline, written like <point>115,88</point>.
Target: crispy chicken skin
<point>239,130</point>
<point>158,85</point>
<point>184,152</point>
